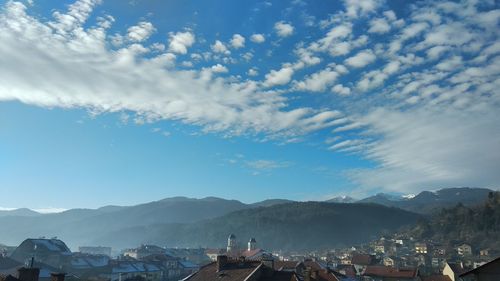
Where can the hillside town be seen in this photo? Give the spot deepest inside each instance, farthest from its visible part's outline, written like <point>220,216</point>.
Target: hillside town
<point>388,258</point>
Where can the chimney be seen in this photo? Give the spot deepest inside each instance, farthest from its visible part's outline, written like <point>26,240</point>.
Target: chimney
<point>221,262</point>
<point>57,276</point>
<point>28,274</point>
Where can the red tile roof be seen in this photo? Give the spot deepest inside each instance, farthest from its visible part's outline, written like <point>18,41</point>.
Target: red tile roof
<point>285,265</point>
<point>386,271</point>
<point>361,259</point>
<point>232,271</point>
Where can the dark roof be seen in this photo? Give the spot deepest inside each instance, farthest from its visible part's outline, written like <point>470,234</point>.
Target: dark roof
<point>436,278</point>
<point>362,259</point>
<point>349,269</point>
<point>490,268</point>
<point>253,240</point>
<point>281,276</point>
<point>233,270</point>
<point>325,275</point>
<point>457,268</point>
<point>232,236</point>
<point>386,271</point>
<point>285,265</point>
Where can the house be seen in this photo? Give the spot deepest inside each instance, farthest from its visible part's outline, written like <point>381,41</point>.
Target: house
<point>99,250</point>
<point>347,270</point>
<point>487,272</point>
<point>122,270</point>
<point>52,252</point>
<point>386,273</point>
<point>188,267</point>
<point>142,251</point>
<point>388,261</point>
<point>421,248</point>
<point>194,255</point>
<point>484,252</point>
<point>453,270</point>
<point>464,250</point>
<point>361,261</point>
<point>213,253</point>
<point>229,269</point>
<point>380,248</point>
<point>169,265</point>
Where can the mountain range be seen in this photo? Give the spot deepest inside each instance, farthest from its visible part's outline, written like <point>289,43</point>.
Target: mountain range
<point>188,222</point>
<point>427,202</point>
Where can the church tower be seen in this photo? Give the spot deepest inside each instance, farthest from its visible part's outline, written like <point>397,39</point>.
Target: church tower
<point>252,244</point>
<point>231,243</point>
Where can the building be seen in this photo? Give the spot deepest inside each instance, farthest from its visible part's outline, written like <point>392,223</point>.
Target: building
<point>484,252</point>
<point>99,250</point>
<point>389,261</point>
<point>464,250</point>
<point>231,244</point>
<point>252,244</point>
<point>453,270</point>
<point>170,266</point>
<point>386,273</point>
<point>213,253</point>
<point>123,270</point>
<point>487,272</point>
<point>421,248</point>
<point>52,252</point>
<point>361,261</point>
<point>239,270</point>
<point>379,248</point>
<point>143,251</point>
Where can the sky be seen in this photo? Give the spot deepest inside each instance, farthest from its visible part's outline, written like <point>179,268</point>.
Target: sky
<point>121,102</point>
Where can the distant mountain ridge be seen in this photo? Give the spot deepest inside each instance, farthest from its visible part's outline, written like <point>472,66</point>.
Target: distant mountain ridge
<point>424,202</point>
<point>427,202</point>
<point>288,226</point>
<point>174,216</point>
<point>341,199</point>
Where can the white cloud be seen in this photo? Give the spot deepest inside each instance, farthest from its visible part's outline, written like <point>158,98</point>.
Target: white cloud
<point>318,82</point>
<point>432,149</point>
<point>355,8</point>
<point>283,29</point>
<point>452,63</point>
<point>379,25</point>
<point>253,72</point>
<point>341,90</point>
<point>237,41</point>
<point>361,59</point>
<point>181,41</point>
<point>219,68</point>
<point>257,38</point>
<point>39,68</point>
<point>219,47</point>
<point>279,77</point>
<point>141,31</point>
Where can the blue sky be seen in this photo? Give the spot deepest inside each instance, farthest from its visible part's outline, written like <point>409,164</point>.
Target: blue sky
<point>122,102</point>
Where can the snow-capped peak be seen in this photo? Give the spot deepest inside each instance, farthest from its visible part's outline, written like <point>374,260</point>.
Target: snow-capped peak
<point>408,196</point>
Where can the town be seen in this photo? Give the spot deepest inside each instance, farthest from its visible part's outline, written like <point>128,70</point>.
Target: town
<point>388,258</point>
